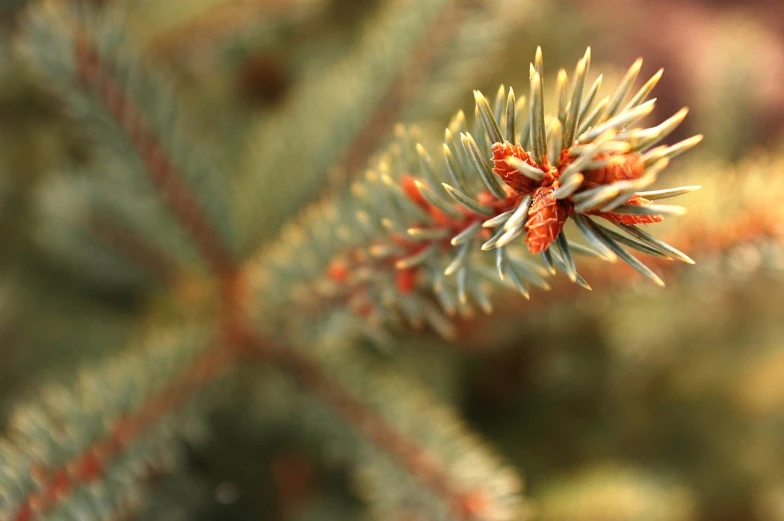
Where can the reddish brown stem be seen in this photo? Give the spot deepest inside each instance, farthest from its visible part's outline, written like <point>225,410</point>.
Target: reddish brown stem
<point>413,73</point>
<point>416,460</point>
<point>133,248</point>
<point>163,173</point>
<point>90,464</point>
<point>344,263</point>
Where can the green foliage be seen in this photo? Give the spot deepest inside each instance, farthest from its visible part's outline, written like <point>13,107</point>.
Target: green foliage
<point>417,227</point>
<point>311,334</point>
<point>325,116</point>
<point>85,447</point>
<point>83,224</point>
<point>413,456</point>
<point>134,118</point>
<point>336,119</point>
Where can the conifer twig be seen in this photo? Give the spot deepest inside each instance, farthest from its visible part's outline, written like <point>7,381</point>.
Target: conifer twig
<point>83,53</point>
<point>55,473</point>
<point>102,236</point>
<point>162,171</point>
<point>419,239</point>
<point>85,229</point>
<point>473,48</point>
<point>132,247</point>
<point>428,445</point>
<point>413,75</point>
<point>445,41</point>
<point>417,228</point>
<point>327,113</point>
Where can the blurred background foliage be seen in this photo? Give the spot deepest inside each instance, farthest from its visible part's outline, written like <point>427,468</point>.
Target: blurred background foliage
<point>627,403</point>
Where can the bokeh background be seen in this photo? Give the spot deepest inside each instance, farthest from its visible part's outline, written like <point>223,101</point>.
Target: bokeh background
<point>625,403</point>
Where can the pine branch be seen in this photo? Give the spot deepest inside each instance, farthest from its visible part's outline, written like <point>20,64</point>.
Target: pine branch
<point>399,240</point>
<point>325,115</point>
<point>470,53</point>
<point>80,224</point>
<point>413,74</point>
<point>89,442</point>
<point>422,458</point>
<point>458,46</point>
<point>135,116</point>
<point>737,213</point>
<point>132,247</point>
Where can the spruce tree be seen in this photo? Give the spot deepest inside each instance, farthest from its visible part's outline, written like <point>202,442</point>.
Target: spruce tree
<point>330,273</point>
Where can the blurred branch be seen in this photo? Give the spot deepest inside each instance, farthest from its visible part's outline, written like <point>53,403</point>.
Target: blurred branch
<point>74,438</point>
<point>134,112</point>
<point>163,173</point>
<point>450,43</point>
<point>438,469</point>
<point>412,80</point>
<point>133,247</point>
<point>325,115</point>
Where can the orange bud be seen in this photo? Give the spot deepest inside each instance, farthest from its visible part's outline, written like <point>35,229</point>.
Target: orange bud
<point>546,219</point>
<point>405,280</point>
<point>621,167</point>
<point>508,174</point>
<point>337,270</point>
